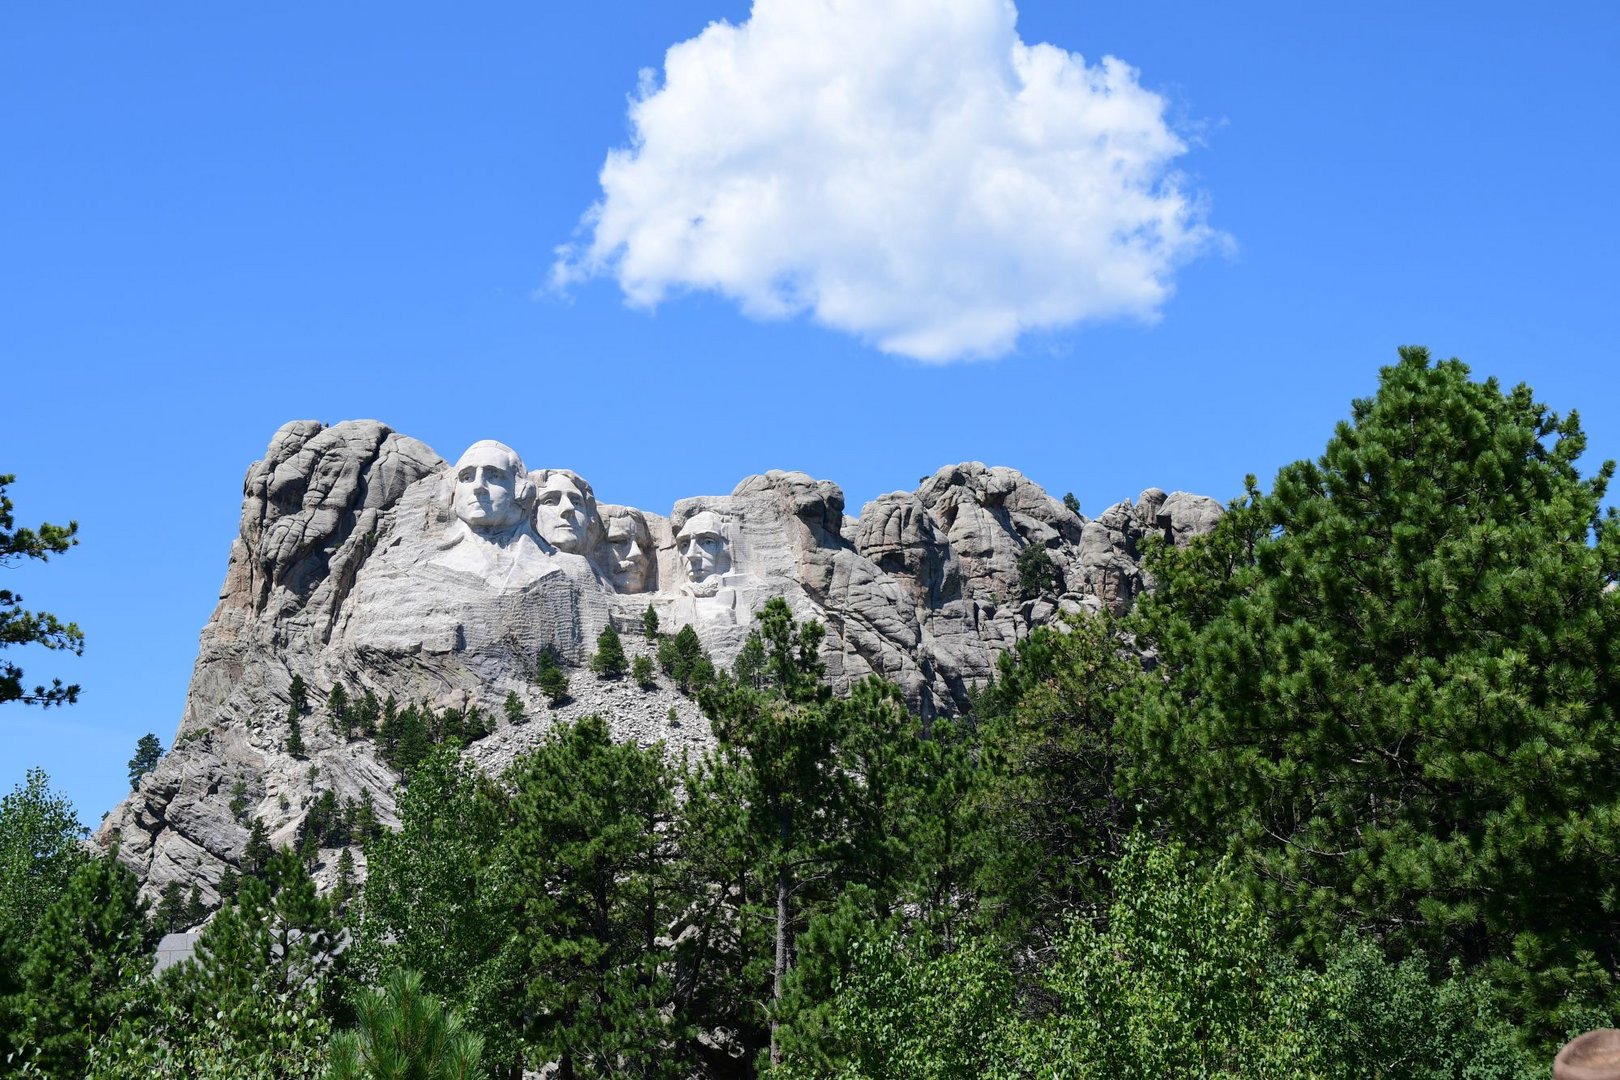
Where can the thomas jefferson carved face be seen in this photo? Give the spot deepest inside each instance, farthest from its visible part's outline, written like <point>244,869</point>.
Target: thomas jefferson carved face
<point>566,512</point>
<point>702,544</point>
<point>630,550</point>
<point>491,488</point>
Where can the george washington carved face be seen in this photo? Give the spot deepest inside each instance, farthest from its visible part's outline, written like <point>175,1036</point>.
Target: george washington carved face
<point>492,492</point>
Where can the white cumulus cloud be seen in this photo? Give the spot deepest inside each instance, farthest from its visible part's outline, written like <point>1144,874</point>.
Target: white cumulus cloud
<point>909,171</point>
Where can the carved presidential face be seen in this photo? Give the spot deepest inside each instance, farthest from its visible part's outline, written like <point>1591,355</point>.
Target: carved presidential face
<point>490,487</point>
<point>702,546</point>
<point>629,546</point>
<point>566,510</point>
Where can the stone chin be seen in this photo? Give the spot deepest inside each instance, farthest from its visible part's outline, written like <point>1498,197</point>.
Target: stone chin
<point>565,538</point>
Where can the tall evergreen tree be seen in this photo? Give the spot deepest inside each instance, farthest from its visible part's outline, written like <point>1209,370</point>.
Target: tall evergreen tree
<point>1054,811</point>
<point>91,949</point>
<point>583,887</point>
<point>405,1034</point>
<point>424,901</point>
<point>147,752</point>
<point>1391,686</point>
<point>683,659</point>
<point>338,712</point>
<point>608,660</point>
<point>769,796</point>
<point>551,678</point>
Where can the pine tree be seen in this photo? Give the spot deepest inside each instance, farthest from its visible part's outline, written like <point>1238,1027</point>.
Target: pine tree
<point>586,894</point>
<point>194,910</point>
<point>19,626</point>
<point>295,734</point>
<point>1038,575</point>
<point>608,661</point>
<point>427,899</point>
<point>169,910</point>
<point>1071,502</point>
<point>683,659</point>
<point>257,851</point>
<point>147,752</point>
<point>91,949</point>
<point>749,667</point>
<point>298,696</point>
<point>239,799</point>
<point>338,712</point>
<point>513,708</point>
<point>345,878</point>
<point>267,969</point>
<point>1392,683</point>
<point>641,669</point>
<point>367,716</point>
<point>551,678</point>
<point>770,794</point>
<point>405,1034</point>
<point>649,623</point>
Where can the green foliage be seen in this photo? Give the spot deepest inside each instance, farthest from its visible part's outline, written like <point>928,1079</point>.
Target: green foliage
<point>39,853</point>
<point>338,713</point>
<point>366,715</point>
<point>255,1002</point>
<point>608,661</point>
<point>550,677</point>
<point>581,884</point>
<point>1038,575</point>
<point>89,950</point>
<point>295,735</point>
<point>256,853</point>
<point>513,708</point>
<point>298,696</point>
<point>239,799</point>
<point>1180,977</point>
<point>408,735</point>
<point>683,659</point>
<point>174,913</point>
<point>749,667</point>
<point>1391,685</point>
<point>425,905</point>
<point>19,626</point>
<point>147,752</point>
<point>405,1034</point>
<point>808,817</point>
<point>641,670</point>
<point>1071,502</point>
<point>1054,814</point>
<point>649,623</point>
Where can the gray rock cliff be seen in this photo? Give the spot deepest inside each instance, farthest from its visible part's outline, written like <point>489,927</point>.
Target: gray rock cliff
<point>364,559</point>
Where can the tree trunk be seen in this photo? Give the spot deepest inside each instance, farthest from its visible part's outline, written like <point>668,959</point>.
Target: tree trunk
<point>780,971</point>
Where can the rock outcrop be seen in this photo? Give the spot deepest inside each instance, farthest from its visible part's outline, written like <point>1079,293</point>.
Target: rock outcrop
<point>365,560</point>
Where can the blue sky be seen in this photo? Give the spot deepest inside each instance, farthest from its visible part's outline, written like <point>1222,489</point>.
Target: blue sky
<point>217,220</point>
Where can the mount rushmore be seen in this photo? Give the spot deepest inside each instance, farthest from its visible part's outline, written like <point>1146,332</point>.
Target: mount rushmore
<point>365,560</point>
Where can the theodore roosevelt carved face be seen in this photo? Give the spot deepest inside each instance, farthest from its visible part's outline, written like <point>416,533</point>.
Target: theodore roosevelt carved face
<point>703,548</point>
<point>492,493</point>
<point>629,546</point>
